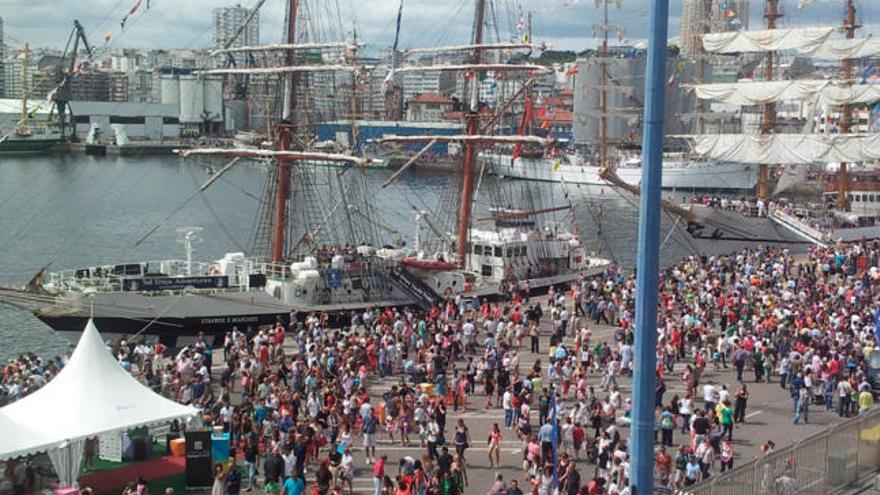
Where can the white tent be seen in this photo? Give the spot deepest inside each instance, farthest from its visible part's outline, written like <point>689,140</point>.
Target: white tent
<point>91,395</point>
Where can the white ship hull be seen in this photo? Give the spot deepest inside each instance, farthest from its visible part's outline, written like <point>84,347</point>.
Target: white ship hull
<point>676,175</point>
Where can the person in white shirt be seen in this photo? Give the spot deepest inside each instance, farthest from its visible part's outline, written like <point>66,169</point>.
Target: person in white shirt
<point>710,396</point>
<point>507,404</point>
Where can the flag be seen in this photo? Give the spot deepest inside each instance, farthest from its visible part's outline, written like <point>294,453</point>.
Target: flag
<point>545,125</point>
<point>867,72</point>
<point>874,118</point>
<point>397,27</point>
<point>107,38</point>
<point>389,78</point>
<point>131,12</point>
<point>387,82</point>
<point>571,70</point>
<point>521,24</point>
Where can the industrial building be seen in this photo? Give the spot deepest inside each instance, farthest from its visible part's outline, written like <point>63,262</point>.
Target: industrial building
<point>198,100</point>
<point>713,16</point>
<point>2,61</point>
<point>141,121</point>
<point>227,21</point>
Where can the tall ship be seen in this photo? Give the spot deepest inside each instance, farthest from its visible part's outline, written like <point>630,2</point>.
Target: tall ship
<point>821,133</point>
<point>34,132</point>
<point>607,89</point>
<point>320,244</point>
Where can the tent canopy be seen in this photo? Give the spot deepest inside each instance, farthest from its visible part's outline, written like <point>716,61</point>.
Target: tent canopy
<point>92,395</point>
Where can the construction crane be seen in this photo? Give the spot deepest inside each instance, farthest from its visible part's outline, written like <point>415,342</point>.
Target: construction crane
<point>64,73</point>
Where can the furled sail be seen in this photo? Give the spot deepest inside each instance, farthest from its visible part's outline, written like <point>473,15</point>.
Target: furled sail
<point>802,39</point>
<point>814,41</point>
<point>784,149</point>
<point>822,92</point>
<point>847,48</point>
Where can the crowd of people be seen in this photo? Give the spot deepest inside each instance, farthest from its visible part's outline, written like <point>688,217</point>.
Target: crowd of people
<point>296,398</point>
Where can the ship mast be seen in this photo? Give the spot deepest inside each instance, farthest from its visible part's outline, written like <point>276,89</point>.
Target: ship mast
<point>605,28</point>
<point>285,130</point>
<point>768,121</point>
<point>22,127</point>
<point>701,104</point>
<point>471,117</point>
<point>849,27</point>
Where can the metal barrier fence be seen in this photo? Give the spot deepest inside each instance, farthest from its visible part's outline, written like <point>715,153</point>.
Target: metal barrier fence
<point>818,464</point>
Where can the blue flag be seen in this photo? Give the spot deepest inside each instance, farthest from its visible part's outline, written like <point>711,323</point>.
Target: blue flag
<point>867,72</point>
<point>389,78</point>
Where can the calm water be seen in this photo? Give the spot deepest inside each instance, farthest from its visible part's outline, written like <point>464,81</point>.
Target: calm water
<point>74,211</point>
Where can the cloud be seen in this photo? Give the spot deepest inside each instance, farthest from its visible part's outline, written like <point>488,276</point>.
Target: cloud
<point>566,24</point>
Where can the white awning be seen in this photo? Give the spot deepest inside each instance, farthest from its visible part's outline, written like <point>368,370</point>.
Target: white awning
<point>785,149</point>
<point>821,92</point>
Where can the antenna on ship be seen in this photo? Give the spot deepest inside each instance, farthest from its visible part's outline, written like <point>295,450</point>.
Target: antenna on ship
<point>189,236</point>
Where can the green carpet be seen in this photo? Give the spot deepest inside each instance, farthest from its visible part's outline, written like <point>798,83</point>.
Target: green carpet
<point>177,482</point>
<point>98,464</point>
<point>157,487</point>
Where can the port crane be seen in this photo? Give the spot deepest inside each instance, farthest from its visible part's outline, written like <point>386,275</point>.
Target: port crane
<point>65,71</point>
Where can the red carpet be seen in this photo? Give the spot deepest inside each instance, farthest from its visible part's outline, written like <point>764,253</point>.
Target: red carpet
<point>115,479</point>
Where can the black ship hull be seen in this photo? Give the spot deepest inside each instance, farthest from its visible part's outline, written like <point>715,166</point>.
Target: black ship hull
<point>178,320</point>
<point>172,332</point>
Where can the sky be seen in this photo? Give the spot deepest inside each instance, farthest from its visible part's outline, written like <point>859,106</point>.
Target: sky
<point>563,24</point>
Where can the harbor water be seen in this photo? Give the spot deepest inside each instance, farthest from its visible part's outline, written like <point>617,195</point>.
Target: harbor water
<point>75,211</point>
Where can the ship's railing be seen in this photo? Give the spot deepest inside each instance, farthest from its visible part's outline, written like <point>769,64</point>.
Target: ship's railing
<point>826,462</point>
<point>801,227</point>
<point>108,278</point>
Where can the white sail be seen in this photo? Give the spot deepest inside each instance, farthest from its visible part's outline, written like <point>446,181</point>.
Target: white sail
<point>815,42</point>
<point>486,46</point>
<point>536,69</point>
<point>785,149</point>
<point>821,92</point>
<point>847,48</point>
<point>802,39</point>
<point>287,69</point>
<point>284,47</point>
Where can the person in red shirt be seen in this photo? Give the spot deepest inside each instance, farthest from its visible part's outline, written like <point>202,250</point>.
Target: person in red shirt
<point>578,436</point>
<point>379,473</point>
<point>264,355</point>
<point>834,367</point>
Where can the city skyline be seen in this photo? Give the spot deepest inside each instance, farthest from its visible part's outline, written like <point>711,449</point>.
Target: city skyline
<point>565,25</point>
